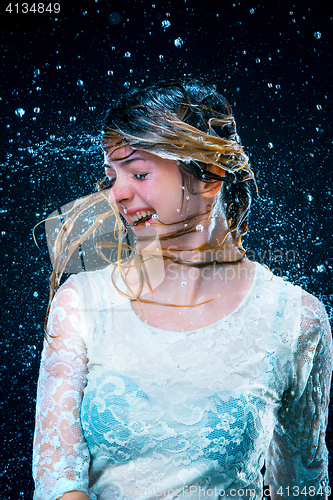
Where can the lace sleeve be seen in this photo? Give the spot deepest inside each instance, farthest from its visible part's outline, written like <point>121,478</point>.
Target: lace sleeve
<point>61,456</point>
<point>297,462</point>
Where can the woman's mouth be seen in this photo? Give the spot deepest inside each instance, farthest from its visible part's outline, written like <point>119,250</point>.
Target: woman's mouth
<point>141,218</point>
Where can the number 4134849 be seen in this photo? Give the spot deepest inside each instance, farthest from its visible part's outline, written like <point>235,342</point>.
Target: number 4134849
<point>35,8</point>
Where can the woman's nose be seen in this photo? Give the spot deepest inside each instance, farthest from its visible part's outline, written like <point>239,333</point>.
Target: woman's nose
<point>121,191</point>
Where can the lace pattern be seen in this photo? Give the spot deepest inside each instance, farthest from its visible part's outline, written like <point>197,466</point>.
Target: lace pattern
<point>182,414</point>
<point>299,436</point>
<point>61,457</point>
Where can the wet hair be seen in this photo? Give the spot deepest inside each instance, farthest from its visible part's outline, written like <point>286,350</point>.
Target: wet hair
<point>192,123</point>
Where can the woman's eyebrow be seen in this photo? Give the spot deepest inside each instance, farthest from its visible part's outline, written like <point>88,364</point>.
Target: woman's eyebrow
<point>125,161</point>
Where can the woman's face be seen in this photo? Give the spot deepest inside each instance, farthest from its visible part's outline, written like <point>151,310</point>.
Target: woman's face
<point>148,191</point>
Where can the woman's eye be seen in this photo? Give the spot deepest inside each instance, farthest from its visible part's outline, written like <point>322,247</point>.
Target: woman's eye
<point>140,176</point>
<point>105,183</point>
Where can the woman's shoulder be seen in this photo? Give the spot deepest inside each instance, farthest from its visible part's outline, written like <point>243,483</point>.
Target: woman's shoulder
<point>314,313</point>
<point>85,278</point>
<point>300,317</point>
<point>288,292</point>
<point>98,288</point>
<point>311,311</point>
<point>266,279</point>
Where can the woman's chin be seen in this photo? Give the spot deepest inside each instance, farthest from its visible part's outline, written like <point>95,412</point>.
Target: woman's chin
<point>144,232</point>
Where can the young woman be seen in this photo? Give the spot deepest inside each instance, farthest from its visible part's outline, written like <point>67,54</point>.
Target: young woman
<point>184,369</point>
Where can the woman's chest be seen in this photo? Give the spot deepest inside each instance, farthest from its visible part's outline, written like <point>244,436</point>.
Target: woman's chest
<point>232,353</point>
<point>171,313</point>
<point>128,418</point>
<point>180,318</point>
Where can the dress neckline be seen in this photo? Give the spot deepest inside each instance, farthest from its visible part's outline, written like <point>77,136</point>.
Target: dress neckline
<point>196,331</point>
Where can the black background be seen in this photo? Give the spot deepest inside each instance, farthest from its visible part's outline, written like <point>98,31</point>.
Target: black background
<point>273,62</point>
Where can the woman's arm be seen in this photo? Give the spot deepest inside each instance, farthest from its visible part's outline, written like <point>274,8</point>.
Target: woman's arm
<point>61,457</point>
<point>297,462</point>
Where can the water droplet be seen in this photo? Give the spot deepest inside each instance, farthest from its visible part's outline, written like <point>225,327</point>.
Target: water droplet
<point>35,294</point>
<point>178,42</point>
<point>37,110</point>
<point>319,107</point>
<point>128,54</point>
<point>72,118</point>
<point>52,137</point>
<point>166,24</point>
<point>115,18</point>
<point>110,72</point>
<point>161,57</point>
<point>19,112</point>
<point>258,60</point>
<point>127,85</point>
<point>80,83</point>
<point>199,227</point>
<point>269,85</point>
<point>58,67</point>
<point>270,145</point>
<point>317,34</point>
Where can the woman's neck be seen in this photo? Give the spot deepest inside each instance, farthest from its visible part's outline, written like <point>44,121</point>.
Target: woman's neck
<point>170,281</point>
<point>184,268</point>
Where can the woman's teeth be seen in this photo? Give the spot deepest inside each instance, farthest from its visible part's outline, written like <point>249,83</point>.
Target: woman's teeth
<point>140,217</point>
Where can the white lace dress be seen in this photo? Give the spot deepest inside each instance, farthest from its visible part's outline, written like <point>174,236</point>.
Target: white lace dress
<point>128,411</point>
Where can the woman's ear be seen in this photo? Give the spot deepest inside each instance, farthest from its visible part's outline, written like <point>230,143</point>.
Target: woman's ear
<point>212,188</point>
